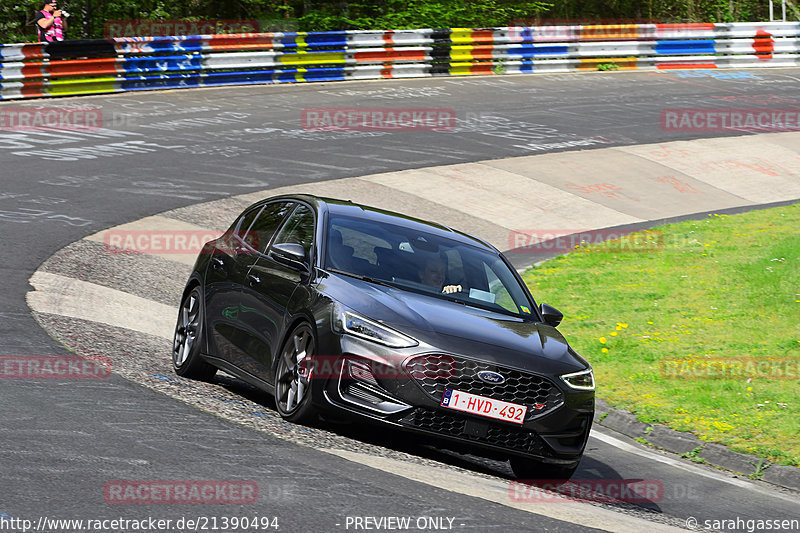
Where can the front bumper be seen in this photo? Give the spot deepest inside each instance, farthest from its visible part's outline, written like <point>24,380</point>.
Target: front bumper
<point>405,391</point>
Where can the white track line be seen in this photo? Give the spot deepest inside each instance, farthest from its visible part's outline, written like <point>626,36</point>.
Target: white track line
<point>60,295</point>
<point>502,492</point>
<point>156,234</point>
<point>683,465</point>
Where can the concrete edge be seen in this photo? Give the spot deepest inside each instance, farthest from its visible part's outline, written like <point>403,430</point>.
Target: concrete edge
<point>523,260</point>
<point>691,448</point>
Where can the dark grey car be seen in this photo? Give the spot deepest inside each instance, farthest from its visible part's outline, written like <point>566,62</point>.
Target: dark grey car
<point>361,313</point>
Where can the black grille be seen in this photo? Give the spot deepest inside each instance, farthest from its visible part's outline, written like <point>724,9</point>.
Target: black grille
<point>453,426</point>
<point>435,373</point>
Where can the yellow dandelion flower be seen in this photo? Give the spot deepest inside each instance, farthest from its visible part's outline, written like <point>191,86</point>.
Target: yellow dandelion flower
<point>613,333</point>
<point>604,350</point>
<point>602,340</point>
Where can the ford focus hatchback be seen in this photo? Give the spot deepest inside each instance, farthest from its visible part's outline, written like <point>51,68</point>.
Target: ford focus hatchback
<point>342,309</point>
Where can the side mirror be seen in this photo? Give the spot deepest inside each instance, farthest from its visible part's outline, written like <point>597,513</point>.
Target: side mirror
<point>551,315</point>
<point>290,254</point>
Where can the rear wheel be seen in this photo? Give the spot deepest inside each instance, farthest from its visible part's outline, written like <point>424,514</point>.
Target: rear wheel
<point>186,358</point>
<point>292,386</point>
<point>532,470</point>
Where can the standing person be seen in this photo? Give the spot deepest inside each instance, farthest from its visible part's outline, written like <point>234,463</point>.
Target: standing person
<point>51,22</point>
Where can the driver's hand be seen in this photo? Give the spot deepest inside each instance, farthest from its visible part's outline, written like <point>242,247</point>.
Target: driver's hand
<point>450,289</point>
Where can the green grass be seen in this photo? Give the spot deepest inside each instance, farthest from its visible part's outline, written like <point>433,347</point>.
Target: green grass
<point>722,290</point>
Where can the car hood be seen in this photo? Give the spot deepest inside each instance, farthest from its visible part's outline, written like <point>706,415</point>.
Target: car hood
<point>457,328</point>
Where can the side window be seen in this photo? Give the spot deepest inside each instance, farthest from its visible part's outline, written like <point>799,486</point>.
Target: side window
<point>267,224</point>
<point>244,223</point>
<point>298,229</point>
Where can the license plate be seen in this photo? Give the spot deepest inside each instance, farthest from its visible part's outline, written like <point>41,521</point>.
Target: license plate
<point>483,406</point>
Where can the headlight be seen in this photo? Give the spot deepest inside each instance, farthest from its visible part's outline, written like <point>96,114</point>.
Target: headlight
<point>345,321</point>
<point>583,380</point>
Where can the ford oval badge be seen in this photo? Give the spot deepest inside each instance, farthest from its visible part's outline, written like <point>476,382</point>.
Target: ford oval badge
<point>491,377</point>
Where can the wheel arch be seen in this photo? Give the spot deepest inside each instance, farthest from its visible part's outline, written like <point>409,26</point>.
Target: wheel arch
<point>292,325</point>
<point>194,282</point>
<point>194,365</point>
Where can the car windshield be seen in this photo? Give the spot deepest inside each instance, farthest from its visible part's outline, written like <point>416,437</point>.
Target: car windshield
<point>424,263</point>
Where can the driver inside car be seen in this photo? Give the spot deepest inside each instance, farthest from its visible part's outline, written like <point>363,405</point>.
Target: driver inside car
<point>433,273</point>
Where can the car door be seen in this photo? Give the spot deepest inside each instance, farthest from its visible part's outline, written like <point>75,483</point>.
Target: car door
<point>221,294</point>
<point>227,274</point>
<point>271,282</point>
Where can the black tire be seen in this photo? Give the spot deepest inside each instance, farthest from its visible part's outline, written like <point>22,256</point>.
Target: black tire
<point>530,470</point>
<point>186,358</point>
<point>292,388</point>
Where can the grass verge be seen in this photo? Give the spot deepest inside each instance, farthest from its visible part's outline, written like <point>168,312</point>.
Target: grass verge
<point>700,332</point>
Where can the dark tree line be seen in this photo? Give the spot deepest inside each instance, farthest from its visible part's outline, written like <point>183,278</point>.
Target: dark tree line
<point>665,11</point>
<point>89,17</point>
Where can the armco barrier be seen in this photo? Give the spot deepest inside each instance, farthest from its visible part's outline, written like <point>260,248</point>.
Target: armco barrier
<point>142,63</point>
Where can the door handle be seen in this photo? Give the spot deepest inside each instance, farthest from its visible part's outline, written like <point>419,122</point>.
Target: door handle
<point>253,279</point>
<point>217,263</point>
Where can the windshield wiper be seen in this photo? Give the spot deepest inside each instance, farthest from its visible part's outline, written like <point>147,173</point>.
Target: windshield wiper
<point>475,305</point>
<point>361,277</point>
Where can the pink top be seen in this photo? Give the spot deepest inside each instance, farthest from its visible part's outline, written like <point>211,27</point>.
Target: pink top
<point>56,30</point>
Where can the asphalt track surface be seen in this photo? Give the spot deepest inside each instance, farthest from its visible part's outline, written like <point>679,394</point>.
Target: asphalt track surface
<point>63,441</point>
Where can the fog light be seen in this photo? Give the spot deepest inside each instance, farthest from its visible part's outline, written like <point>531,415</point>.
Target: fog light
<point>361,372</point>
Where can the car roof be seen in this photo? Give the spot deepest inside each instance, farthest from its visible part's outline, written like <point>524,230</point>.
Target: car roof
<point>351,209</point>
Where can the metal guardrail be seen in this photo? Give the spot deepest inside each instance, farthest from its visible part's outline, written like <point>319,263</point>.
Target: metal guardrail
<point>142,63</point>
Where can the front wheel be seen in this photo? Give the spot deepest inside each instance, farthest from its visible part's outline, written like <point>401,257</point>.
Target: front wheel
<point>532,470</point>
<point>292,386</point>
<point>186,358</point>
